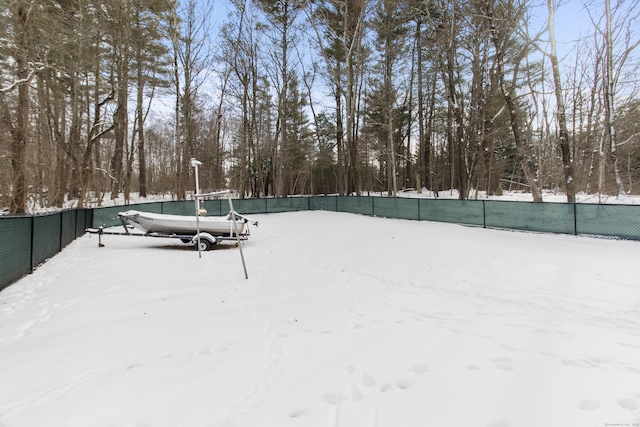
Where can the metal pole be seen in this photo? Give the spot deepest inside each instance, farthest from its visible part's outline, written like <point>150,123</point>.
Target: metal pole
<point>195,163</point>
<point>235,228</point>
<point>233,221</point>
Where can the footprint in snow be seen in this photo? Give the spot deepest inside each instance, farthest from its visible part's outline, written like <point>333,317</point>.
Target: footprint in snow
<point>386,387</point>
<point>404,384</point>
<point>401,384</point>
<point>299,412</point>
<point>419,369</point>
<point>589,363</point>
<point>332,398</point>
<point>508,347</point>
<point>629,403</point>
<point>633,370</point>
<point>503,363</point>
<point>368,380</point>
<point>204,352</point>
<point>588,405</point>
<point>356,395</point>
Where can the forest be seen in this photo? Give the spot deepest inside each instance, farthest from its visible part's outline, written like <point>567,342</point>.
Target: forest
<point>286,97</point>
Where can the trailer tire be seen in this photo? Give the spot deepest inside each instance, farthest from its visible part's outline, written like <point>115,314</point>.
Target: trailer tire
<point>205,245</point>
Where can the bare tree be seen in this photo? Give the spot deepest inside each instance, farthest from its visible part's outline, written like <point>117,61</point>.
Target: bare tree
<point>504,20</point>
<point>192,57</point>
<point>17,122</point>
<point>563,132</point>
<point>339,28</point>
<point>283,33</point>
<point>240,56</point>
<point>612,69</point>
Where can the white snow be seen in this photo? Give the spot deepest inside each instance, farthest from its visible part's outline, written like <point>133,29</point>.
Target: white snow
<point>345,320</point>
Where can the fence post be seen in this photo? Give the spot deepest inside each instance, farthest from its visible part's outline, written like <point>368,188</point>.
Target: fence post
<point>60,246</point>
<point>32,245</point>
<point>75,225</point>
<point>484,215</point>
<point>575,219</point>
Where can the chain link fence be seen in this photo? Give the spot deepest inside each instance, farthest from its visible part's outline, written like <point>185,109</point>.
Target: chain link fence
<point>27,241</point>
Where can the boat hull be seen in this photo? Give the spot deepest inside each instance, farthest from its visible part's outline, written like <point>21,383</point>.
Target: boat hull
<point>181,224</point>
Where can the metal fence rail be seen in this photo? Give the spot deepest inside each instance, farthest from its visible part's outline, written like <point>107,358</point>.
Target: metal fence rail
<point>26,242</point>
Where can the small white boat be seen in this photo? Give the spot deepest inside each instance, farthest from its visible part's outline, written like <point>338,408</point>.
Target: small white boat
<point>186,225</point>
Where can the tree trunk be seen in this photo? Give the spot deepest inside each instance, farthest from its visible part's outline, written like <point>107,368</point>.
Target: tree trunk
<point>563,132</point>
<point>353,180</point>
<point>422,141</point>
<point>142,163</point>
<point>284,114</point>
<point>515,126</point>
<point>389,100</point>
<point>120,132</point>
<point>457,149</point>
<point>610,109</point>
<point>19,131</point>
<point>177,140</point>
<point>342,174</point>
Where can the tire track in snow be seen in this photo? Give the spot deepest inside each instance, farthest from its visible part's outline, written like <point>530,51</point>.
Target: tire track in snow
<point>53,393</point>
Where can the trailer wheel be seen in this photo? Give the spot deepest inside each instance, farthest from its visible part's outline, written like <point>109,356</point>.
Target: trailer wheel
<point>205,245</point>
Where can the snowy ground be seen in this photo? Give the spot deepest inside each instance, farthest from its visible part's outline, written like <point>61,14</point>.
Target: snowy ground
<point>345,320</point>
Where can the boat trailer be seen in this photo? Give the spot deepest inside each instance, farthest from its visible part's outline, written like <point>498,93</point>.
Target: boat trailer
<point>202,240</point>
<point>205,240</point>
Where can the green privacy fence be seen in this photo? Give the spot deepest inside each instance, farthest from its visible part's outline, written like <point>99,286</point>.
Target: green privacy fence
<point>619,221</point>
<point>26,242</point>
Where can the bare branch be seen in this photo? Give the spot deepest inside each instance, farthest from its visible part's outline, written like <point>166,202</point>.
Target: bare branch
<point>37,66</point>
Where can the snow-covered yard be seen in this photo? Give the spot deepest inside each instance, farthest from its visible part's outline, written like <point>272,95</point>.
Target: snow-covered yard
<point>345,320</point>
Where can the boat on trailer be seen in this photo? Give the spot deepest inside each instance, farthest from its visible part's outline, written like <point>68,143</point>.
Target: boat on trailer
<point>187,225</point>
<point>203,232</point>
